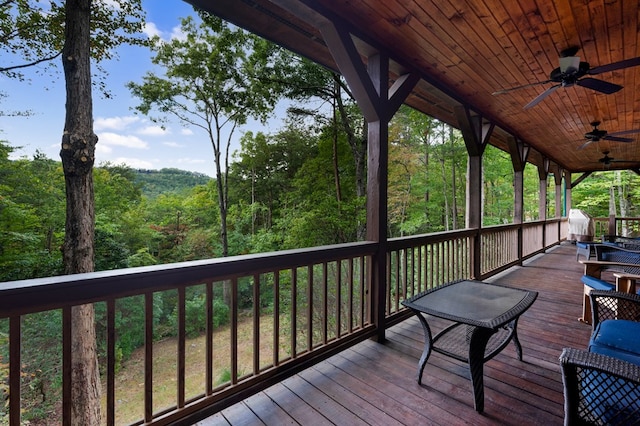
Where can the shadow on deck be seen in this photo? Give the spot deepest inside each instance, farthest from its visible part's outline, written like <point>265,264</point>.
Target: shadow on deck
<point>375,384</point>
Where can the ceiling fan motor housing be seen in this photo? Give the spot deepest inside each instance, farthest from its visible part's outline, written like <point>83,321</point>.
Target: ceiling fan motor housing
<point>569,77</point>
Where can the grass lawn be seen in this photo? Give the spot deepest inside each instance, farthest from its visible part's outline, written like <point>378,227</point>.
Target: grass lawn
<point>130,379</point>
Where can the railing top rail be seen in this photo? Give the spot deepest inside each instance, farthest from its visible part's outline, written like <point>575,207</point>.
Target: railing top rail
<point>436,237</point>
<point>20,297</point>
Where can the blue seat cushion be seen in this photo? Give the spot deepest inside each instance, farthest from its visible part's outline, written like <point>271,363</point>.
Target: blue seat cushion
<point>597,283</point>
<point>617,338</point>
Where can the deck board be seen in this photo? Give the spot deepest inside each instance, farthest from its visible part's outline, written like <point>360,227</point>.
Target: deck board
<point>375,384</point>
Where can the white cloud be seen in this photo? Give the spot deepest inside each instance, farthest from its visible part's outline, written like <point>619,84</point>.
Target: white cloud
<point>173,144</point>
<point>103,149</point>
<point>177,33</point>
<point>128,141</point>
<point>153,131</point>
<point>135,163</point>
<point>151,30</point>
<point>186,132</point>
<point>114,123</point>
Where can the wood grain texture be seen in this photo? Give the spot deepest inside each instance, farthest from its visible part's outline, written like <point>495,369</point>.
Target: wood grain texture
<point>465,50</point>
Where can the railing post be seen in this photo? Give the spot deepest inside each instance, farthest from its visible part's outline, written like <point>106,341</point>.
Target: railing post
<point>612,225</point>
<point>476,254</point>
<point>520,243</point>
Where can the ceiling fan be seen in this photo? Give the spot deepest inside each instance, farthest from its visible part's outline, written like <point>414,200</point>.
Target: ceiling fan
<point>572,71</point>
<point>596,135</point>
<point>606,160</point>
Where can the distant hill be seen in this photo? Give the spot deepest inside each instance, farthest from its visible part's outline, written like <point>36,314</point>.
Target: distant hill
<point>164,181</point>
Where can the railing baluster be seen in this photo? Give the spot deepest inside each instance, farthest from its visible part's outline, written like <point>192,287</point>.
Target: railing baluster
<point>294,311</point>
<point>182,341</point>
<point>209,340</point>
<point>15,337</point>
<point>276,318</point>
<point>309,308</point>
<point>350,294</point>
<point>389,284</point>
<point>325,303</point>
<point>111,362</point>
<point>66,365</point>
<point>338,312</point>
<point>364,292</point>
<point>234,330</point>
<point>256,324</point>
<point>148,357</point>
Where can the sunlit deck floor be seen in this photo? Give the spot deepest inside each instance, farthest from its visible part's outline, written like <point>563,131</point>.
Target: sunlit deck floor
<point>374,383</point>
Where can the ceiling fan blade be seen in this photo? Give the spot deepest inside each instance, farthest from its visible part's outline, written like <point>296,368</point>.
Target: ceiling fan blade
<point>586,144</point>
<point>503,91</point>
<point>622,161</point>
<point>541,96</point>
<point>599,85</point>
<point>617,139</point>
<point>624,132</point>
<point>633,62</point>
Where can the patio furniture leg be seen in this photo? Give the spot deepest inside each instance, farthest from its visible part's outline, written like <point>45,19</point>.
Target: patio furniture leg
<point>428,343</point>
<point>477,346</point>
<point>586,306</point>
<point>516,341</point>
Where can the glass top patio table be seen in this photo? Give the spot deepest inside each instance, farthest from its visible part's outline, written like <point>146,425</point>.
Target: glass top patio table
<point>484,319</point>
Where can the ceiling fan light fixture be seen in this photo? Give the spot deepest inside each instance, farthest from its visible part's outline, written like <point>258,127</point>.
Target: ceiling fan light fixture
<point>569,64</point>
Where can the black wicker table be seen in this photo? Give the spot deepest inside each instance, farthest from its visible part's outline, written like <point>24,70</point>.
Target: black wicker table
<point>485,318</point>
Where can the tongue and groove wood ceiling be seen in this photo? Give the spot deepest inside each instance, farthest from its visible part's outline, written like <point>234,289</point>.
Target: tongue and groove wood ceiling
<point>465,51</point>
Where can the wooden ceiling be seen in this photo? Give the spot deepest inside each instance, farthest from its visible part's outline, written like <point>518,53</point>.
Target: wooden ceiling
<point>467,50</point>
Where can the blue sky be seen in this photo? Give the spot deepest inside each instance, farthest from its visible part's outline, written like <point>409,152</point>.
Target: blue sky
<point>124,137</point>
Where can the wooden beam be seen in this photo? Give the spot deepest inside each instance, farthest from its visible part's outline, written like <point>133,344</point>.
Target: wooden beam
<point>580,179</point>
<point>557,177</point>
<point>519,153</point>
<point>475,131</point>
<point>543,175</point>
<point>352,69</point>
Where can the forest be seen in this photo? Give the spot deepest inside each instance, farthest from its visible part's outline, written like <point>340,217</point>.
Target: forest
<point>301,186</point>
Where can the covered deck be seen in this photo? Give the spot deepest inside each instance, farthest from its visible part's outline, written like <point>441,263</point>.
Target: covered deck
<point>373,383</point>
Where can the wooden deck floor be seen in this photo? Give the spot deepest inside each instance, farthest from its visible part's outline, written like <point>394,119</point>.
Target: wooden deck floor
<point>375,384</point>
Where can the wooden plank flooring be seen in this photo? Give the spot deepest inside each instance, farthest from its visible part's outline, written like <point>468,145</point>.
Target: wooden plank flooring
<point>375,384</point>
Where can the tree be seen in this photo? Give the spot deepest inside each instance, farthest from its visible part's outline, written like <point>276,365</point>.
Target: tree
<point>33,31</point>
<point>310,80</point>
<point>35,34</point>
<point>78,155</point>
<point>215,79</point>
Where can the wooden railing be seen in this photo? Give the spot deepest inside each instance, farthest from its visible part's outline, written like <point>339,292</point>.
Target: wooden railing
<point>315,302</point>
<point>623,226</point>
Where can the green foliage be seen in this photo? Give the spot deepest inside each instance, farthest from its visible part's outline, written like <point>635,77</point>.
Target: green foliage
<point>608,192</point>
<point>195,315</point>
<point>166,181</point>
<point>41,362</point>
<point>33,31</point>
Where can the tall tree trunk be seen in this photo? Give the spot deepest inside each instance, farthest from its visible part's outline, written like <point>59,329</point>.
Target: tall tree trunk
<point>336,170</point>
<point>78,156</point>
<point>358,146</point>
<point>623,204</point>
<point>454,191</point>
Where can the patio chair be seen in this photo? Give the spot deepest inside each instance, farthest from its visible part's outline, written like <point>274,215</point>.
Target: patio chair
<point>599,389</point>
<point>602,385</point>
<point>632,243</point>
<point>625,264</point>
